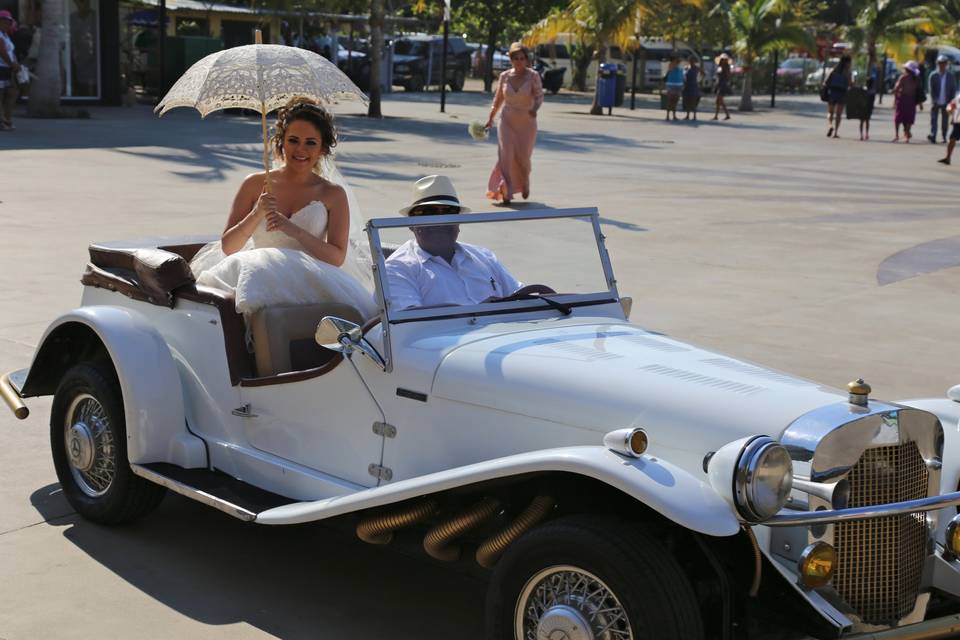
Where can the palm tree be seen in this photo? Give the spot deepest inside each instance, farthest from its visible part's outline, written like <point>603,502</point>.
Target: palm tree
<point>939,19</point>
<point>595,24</point>
<point>879,22</point>
<point>45,90</point>
<point>760,27</point>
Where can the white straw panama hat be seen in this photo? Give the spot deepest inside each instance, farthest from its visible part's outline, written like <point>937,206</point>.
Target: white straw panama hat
<point>434,190</point>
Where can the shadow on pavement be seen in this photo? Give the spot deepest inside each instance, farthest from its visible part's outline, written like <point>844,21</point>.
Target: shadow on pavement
<point>303,581</point>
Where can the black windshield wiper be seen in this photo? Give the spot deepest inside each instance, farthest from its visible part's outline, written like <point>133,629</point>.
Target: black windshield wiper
<point>565,309</point>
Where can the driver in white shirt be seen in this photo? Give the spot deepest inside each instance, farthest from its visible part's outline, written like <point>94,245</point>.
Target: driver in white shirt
<point>435,269</point>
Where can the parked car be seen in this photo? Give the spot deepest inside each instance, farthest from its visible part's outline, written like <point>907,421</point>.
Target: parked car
<point>816,77</point>
<point>792,73</point>
<point>417,62</point>
<point>501,61</point>
<point>614,481</point>
<point>557,55</point>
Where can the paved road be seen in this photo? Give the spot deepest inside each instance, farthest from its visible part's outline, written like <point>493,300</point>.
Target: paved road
<point>829,259</point>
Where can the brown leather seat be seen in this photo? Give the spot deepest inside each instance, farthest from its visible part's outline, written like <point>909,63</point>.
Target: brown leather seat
<point>283,336</point>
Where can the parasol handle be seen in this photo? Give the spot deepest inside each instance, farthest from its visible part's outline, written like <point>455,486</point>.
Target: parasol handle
<point>258,39</point>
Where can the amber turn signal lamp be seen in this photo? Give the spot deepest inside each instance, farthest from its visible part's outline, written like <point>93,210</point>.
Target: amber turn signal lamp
<point>952,539</point>
<point>628,442</point>
<point>817,563</point>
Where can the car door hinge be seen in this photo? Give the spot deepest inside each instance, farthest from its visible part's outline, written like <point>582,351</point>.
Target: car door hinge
<point>381,473</point>
<point>384,429</point>
<point>244,411</point>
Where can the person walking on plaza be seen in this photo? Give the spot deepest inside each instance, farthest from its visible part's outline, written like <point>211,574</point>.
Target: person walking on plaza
<point>8,71</point>
<point>905,100</point>
<point>691,88</point>
<point>873,81</point>
<point>837,84</point>
<point>941,88</point>
<point>673,81</point>
<point>520,93</point>
<point>953,107</point>
<point>723,85</point>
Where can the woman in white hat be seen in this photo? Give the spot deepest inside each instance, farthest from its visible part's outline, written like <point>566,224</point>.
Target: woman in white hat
<point>905,100</point>
<point>723,85</point>
<point>520,93</point>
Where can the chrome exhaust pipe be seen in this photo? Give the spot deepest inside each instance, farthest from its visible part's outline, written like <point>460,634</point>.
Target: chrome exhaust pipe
<point>12,398</point>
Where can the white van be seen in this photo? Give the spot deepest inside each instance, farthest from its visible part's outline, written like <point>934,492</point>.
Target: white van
<point>657,52</point>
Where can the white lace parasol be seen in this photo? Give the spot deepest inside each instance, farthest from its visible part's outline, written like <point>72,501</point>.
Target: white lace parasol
<point>261,77</point>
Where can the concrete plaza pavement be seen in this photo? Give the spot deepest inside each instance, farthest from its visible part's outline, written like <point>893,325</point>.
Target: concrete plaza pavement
<point>757,237</point>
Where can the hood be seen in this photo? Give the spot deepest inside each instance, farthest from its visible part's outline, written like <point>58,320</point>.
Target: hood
<point>403,59</point>
<point>611,376</point>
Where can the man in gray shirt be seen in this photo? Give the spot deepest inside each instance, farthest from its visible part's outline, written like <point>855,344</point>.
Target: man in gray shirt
<point>941,89</point>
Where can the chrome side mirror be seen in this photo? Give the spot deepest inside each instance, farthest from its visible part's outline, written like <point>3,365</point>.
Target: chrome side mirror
<point>345,337</point>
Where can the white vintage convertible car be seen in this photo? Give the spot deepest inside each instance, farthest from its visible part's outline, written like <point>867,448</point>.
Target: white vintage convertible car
<point>616,482</point>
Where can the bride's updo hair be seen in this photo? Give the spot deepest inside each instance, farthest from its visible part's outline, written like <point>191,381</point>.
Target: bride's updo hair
<point>309,111</point>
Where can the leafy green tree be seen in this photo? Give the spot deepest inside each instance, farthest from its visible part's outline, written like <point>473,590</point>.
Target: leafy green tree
<point>759,27</point>
<point>880,23</point>
<point>497,22</point>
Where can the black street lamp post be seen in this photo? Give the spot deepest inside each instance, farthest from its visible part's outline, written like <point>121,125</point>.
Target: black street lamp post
<point>443,63</point>
<point>773,80</point>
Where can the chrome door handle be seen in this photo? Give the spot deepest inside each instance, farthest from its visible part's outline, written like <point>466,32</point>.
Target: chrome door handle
<point>244,411</point>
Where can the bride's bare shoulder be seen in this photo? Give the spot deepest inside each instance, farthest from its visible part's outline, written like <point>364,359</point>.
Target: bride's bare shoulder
<point>254,182</point>
<point>332,194</point>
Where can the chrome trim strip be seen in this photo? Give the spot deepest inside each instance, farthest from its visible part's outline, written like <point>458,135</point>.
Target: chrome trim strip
<point>11,396</point>
<point>794,518</point>
<point>195,494</point>
<point>468,218</point>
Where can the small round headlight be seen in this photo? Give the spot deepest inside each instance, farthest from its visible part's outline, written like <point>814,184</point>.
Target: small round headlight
<point>764,479</point>
<point>816,565</point>
<point>951,541</point>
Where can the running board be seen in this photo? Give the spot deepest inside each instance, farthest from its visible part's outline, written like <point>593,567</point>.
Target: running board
<point>213,488</point>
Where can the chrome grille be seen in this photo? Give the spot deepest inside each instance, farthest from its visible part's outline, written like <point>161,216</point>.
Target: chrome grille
<point>879,561</point>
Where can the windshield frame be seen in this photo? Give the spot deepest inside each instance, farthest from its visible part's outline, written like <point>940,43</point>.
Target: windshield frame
<point>382,287</point>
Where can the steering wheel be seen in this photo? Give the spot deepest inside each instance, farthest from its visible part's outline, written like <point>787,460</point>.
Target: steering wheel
<point>529,289</point>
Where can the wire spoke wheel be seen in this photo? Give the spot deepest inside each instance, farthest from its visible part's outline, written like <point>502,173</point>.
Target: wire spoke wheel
<point>568,603</point>
<point>89,443</point>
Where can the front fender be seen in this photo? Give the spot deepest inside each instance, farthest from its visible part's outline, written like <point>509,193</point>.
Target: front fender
<point>665,488</point>
<point>149,383</point>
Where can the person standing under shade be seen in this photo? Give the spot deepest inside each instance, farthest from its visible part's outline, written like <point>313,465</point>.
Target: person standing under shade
<point>520,94</point>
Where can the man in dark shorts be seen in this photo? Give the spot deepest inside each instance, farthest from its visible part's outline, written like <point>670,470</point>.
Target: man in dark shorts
<point>953,107</point>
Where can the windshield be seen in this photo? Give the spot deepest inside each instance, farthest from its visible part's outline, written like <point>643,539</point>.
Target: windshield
<point>793,63</point>
<point>491,263</point>
<point>410,48</point>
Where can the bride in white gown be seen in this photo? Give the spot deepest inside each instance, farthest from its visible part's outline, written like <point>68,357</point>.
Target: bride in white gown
<point>300,244</point>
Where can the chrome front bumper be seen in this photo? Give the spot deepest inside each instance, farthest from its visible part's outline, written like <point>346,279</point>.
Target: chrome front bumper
<point>936,629</point>
<point>791,519</point>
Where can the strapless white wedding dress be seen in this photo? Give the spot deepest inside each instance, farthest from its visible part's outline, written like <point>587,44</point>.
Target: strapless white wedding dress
<point>273,269</point>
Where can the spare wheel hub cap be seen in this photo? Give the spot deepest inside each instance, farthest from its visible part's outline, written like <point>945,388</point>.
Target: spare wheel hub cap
<point>561,622</point>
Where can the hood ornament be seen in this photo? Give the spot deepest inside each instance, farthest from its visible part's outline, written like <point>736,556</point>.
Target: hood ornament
<point>859,392</point>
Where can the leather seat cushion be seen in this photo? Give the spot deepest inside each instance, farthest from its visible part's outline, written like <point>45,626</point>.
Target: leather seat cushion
<point>283,336</point>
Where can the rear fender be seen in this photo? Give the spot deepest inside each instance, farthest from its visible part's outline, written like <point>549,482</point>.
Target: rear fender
<point>145,369</point>
<point>664,487</point>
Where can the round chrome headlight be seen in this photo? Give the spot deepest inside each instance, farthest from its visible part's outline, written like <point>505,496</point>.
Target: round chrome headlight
<point>763,479</point>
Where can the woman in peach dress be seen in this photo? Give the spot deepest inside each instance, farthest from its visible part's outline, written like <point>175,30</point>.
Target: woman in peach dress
<point>520,93</point>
